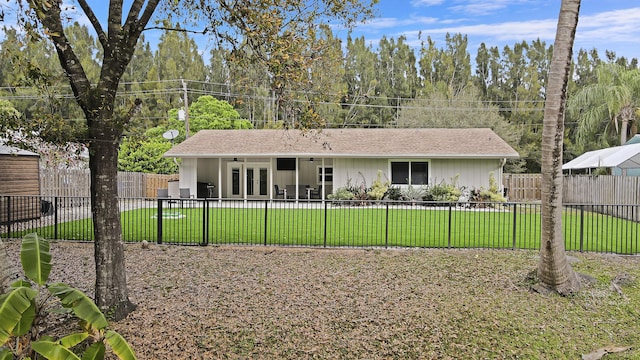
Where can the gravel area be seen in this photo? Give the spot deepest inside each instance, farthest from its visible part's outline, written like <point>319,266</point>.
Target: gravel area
<point>291,303</point>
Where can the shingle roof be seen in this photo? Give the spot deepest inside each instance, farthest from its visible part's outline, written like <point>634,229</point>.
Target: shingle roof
<point>432,143</point>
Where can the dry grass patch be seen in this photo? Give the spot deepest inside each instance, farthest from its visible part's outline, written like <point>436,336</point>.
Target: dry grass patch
<point>291,303</point>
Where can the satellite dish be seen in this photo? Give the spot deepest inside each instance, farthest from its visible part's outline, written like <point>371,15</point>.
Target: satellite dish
<point>170,135</point>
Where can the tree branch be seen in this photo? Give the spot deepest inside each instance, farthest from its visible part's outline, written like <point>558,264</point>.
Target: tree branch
<point>202,32</point>
<point>102,37</point>
<point>141,22</point>
<point>114,22</point>
<point>50,17</point>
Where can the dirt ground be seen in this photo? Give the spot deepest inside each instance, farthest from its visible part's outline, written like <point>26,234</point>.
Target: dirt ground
<point>291,303</point>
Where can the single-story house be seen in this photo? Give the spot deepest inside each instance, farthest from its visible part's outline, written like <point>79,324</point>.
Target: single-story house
<point>252,164</point>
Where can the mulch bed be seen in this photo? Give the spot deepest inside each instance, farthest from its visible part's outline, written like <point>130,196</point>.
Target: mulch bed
<point>290,303</point>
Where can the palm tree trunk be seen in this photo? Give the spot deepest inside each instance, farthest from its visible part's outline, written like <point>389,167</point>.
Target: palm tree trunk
<point>554,271</point>
<point>626,115</point>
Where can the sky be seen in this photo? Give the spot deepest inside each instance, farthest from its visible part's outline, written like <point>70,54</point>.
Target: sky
<point>603,24</point>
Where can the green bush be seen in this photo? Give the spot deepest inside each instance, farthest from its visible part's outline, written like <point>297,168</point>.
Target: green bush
<point>351,192</point>
<point>443,191</point>
<point>25,307</point>
<point>341,194</point>
<point>393,193</point>
<point>414,193</point>
<point>491,195</point>
<point>378,188</point>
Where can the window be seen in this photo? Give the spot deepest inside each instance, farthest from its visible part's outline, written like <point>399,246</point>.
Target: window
<point>409,172</point>
<point>328,174</point>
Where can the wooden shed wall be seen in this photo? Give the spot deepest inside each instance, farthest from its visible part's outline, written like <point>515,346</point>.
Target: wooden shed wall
<point>19,175</point>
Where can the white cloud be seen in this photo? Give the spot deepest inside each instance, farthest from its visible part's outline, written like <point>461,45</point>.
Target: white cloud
<point>418,3</point>
<point>617,25</point>
<point>543,29</point>
<point>483,7</point>
<point>592,27</point>
<point>388,23</point>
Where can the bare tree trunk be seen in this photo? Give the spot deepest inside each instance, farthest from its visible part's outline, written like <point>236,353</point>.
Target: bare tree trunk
<point>111,283</point>
<point>554,271</point>
<point>97,101</point>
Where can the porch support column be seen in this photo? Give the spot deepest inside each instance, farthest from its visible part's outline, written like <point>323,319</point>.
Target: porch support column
<point>297,177</point>
<point>219,179</point>
<point>322,180</point>
<point>243,181</point>
<point>271,185</point>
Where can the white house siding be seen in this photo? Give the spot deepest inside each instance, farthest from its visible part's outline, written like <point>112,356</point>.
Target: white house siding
<point>208,171</point>
<point>472,173</point>
<point>351,169</point>
<point>189,174</point>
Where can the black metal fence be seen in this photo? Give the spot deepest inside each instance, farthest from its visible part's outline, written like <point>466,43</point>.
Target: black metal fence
<point>596,228</point>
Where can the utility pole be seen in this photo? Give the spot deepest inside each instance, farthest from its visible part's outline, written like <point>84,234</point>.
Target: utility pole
<point>186,109</point>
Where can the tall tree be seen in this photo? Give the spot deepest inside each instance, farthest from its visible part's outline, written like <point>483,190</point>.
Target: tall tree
<point>219,74</point>
<point>362,84</point>
<point>466,109</point>
<point>86,49</point>
<point>398,74</point>
<point>611,103</point>
<point>448,68</point>
<point>261,21</point>
<point>134,83</point>
<point>554,271</point>
<point>326,85</point>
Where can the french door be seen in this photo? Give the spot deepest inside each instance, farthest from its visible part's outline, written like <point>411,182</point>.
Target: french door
<point>250,179</point>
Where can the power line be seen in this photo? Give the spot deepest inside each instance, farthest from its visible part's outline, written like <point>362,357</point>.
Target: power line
<point>251,93</point>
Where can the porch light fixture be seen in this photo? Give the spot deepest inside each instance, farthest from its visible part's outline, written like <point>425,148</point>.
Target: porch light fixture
<point>311,159</point>
<point>235,159</point>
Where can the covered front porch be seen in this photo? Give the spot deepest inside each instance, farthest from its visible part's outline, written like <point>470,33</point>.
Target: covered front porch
<point>257,177</point>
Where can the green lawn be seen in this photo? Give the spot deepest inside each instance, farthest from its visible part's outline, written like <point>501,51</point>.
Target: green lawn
<point>364,226</point>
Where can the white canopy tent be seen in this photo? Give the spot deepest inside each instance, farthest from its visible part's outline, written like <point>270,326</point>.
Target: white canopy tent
<point>624,157</point>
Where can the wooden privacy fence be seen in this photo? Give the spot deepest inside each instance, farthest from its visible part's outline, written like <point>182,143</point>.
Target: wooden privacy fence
<point>153,182</point>
<point>522,187</point>
<point>75,183</point>
<point>619,191</point>
<point>603,189</point>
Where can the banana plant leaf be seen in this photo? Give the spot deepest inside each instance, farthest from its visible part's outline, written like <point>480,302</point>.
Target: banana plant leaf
<point>17,312</point>
<point>36,258</point>
<point>83,307</point>
<point>53,351</point>
<point>119,345</point>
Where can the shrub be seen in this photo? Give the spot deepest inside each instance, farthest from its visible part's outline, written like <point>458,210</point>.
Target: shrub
<point>443,191</point>
<point>361,191</point>
<point>393,193</point>
<point>413,193</point>
<point>24,311</point>
<point>341,194</point>
<point>491,195</point>
<point>352,192</point>
<point>378,188</point>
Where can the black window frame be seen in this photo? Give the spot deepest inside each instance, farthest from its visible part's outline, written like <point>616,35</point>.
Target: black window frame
<point>406,169</point>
